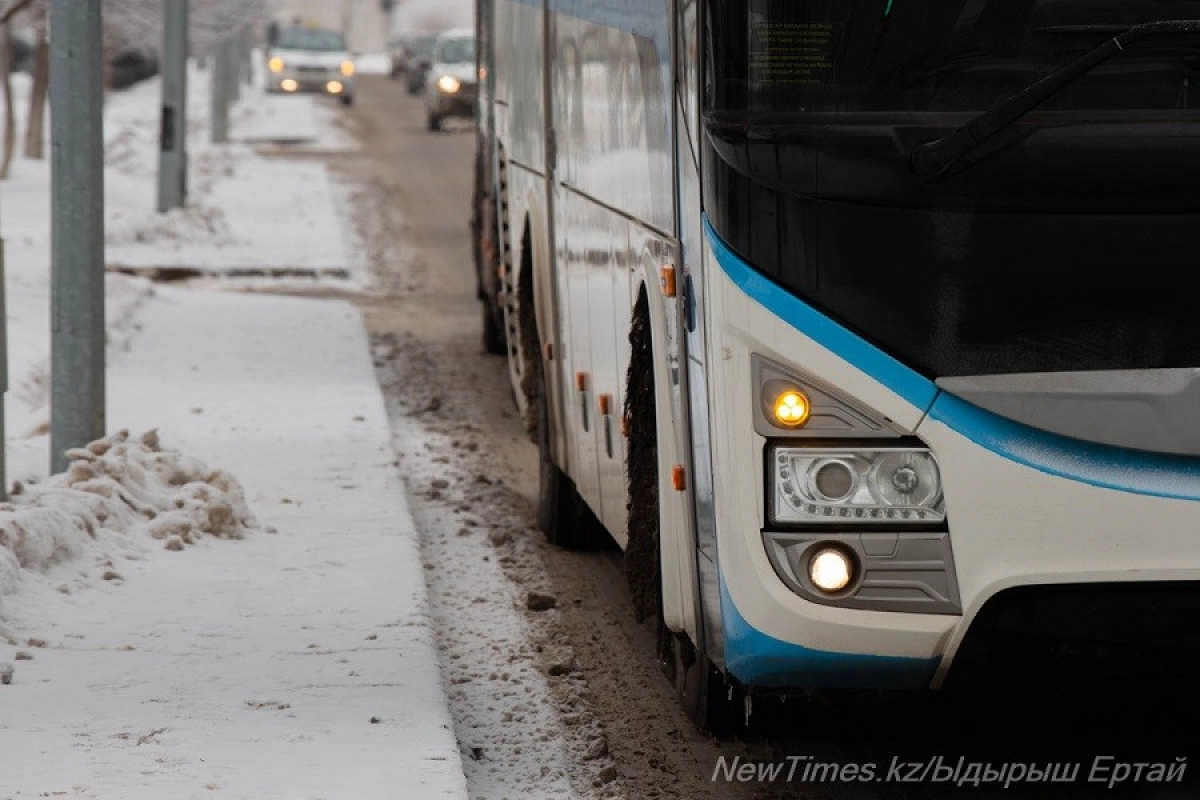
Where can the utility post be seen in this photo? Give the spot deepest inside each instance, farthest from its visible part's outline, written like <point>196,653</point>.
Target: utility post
<point>3,376</point>
<point>77,386</point>
<point>235,66</point>
<point>246,53</point>
<point>219,92</point>
<point>172,136</point>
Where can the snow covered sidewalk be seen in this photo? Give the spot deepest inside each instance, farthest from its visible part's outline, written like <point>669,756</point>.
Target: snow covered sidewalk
<point>295,662</point>
<point>245,214</point>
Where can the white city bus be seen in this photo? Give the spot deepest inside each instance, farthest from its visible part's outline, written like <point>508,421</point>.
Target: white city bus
<point>863,326</point>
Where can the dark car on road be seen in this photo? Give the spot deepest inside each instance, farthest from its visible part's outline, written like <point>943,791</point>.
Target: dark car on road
<point>420,56</point>
<point>397,51</point>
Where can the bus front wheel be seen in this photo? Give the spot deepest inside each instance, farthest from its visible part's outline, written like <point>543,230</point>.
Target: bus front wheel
<point>702,690</point>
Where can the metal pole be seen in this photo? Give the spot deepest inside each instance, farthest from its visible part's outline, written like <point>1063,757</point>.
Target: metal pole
<point>235,66</point>
<point>249,54</point>
<point>3,375</point>
<point>172,137</point>
<point>218,94</point>
<point>77,390</point>
<point>246,49</point>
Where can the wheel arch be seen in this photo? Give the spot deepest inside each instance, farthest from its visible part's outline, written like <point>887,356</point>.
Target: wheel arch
<point>534,310</point>
<point>676,566</point>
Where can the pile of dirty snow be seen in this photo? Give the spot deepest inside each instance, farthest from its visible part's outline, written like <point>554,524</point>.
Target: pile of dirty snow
<point>117,493</point>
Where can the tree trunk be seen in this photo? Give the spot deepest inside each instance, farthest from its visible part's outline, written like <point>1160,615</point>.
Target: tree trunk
<point>35,127</point>
<point>10,124</point>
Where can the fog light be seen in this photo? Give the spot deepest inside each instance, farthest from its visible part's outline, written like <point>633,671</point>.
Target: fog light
<point>792,408</point>
<point>830,569</point>
<point>288,85</point>
<point>334,87</point>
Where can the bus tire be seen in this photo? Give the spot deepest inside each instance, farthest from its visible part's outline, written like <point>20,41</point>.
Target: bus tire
<point>704,693</point>
<point>494,340</point>
<point>702,690</point>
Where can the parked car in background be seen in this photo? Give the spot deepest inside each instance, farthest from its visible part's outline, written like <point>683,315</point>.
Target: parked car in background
<point>310,59</point>
<point>420,54</point>
<point>452,82</point>
<point>397,50</point>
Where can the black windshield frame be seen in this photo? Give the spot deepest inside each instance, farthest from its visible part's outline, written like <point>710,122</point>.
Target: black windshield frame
<point>939,55</point>
<point>1073,250</point>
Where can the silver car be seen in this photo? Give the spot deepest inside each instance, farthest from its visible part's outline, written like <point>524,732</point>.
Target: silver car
<point>306,59</point>
<point>451,83</point>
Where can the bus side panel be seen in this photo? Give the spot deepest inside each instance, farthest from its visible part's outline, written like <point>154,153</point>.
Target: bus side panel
<point>519,54</point>
<point>613,181</point>
<point>579,255</point>
<point>604,262</point>
<point>610,352</point>
<point>612,111</point>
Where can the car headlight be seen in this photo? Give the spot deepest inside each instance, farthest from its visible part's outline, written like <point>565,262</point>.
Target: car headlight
<point>856,485</point>
<point>346,68</point>
<point>448,84</point>
<point>275,64</point>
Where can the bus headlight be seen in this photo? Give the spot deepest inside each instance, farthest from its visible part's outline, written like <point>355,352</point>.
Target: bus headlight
<point>869,485</point>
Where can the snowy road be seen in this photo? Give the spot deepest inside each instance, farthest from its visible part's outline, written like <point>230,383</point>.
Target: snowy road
<point>553,687</point>
<point>557,703</point>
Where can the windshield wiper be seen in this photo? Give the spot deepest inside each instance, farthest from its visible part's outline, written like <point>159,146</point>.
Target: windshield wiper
<point>942,158</point>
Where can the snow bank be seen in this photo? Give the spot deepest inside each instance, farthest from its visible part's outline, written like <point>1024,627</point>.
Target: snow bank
<point>117,490</point>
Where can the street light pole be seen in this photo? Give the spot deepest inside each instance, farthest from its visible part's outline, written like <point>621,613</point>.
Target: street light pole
<point>221,76</point>
<point>172,135</point>
<point>77,390</point>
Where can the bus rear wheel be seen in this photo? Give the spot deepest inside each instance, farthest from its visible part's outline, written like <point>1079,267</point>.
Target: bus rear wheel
<point>494,341</point>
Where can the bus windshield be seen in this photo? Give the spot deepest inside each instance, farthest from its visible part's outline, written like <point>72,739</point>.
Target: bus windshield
<point>1068,243</point>
<point>942,55</point>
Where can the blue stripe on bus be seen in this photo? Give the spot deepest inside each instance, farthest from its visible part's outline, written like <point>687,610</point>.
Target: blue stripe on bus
<point>758,659</point>
<point>906,382</point>
<point>1135,471</point>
